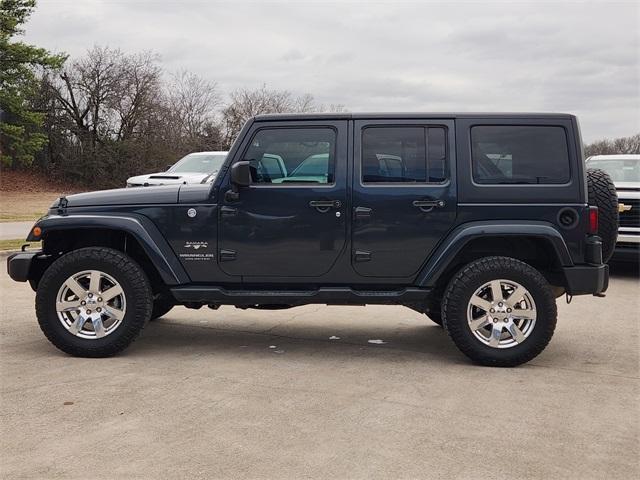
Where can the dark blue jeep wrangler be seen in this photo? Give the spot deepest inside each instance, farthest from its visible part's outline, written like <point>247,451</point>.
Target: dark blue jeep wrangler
<point>480,221</point>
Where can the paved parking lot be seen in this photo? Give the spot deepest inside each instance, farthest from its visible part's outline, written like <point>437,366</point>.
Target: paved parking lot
<point>258,394</point>
<point>12,230</point>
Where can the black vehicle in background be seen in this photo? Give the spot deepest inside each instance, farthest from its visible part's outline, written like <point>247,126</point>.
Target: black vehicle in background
<point>479,221</point>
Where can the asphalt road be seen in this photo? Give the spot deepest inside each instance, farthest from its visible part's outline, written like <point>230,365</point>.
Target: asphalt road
<point>14,230</point>
<point>257,394</point>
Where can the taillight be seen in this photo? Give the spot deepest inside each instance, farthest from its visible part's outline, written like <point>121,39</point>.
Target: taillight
<point>593,220</point>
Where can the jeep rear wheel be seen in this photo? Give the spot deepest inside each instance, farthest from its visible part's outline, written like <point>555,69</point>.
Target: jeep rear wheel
<point>602,194</point>
<point>93,302</point>
<point>499,311</point>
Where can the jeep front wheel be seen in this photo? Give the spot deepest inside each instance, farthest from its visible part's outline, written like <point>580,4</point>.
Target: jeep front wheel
<point>93,302</point>
<point>499,311</point>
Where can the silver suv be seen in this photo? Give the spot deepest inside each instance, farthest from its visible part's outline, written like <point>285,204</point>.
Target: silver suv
<point>624,170</point>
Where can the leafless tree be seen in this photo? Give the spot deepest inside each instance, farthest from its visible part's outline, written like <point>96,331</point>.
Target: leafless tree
<point>137,101</point>
<point>244,104</point>
<point>110,115</point>
<point>193,103</point>
<point>100,102</point>
<point>614,146</point>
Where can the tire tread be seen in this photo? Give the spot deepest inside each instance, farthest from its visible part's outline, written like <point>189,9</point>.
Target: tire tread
<point>454,319</point>
<point>602,194</point>
<point>141,293</point>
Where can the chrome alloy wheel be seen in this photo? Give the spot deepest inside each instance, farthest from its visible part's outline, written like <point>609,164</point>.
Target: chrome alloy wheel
<point>91,304</point>
<point>501,314</point>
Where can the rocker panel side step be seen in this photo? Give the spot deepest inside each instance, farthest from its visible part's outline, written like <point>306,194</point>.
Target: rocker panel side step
<point>324,295</point>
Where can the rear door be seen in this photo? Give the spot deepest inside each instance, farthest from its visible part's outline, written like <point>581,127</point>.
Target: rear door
<point>404,195</point>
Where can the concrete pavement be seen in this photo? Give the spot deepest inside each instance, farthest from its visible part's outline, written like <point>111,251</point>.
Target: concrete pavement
<point>268,394</point>
<point>15,230</point>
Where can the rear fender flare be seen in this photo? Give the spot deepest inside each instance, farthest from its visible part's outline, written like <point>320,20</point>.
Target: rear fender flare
<point>453,244</point>
<point>141,228</point>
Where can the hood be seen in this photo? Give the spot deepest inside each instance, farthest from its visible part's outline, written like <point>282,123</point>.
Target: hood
<point>123,196</point>
<point>627,186</point>
<point>167,178</point>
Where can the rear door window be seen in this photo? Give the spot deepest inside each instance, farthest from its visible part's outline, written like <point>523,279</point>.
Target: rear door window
<point>407,154</point>
<point>519,154</point>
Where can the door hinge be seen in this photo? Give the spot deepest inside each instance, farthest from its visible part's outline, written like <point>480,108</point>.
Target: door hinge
<point>227,255</point>
<point>361,256</point>
<point>228,211</point>
<point>362,212</point>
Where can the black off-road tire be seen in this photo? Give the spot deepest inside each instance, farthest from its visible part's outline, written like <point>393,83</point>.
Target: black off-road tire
<point>435,317</point>
<point>161,306</point>
<point>602,194</point>
<point>125,271</point>
<point>471,277</point>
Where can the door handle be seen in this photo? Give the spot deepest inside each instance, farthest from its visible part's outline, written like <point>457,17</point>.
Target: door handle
<point>428,205</point>
<point>323,206</point>
<point>325,203</point>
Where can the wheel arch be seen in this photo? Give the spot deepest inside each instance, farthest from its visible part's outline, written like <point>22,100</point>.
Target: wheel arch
<point>536,243</point>
<point>134,235</point>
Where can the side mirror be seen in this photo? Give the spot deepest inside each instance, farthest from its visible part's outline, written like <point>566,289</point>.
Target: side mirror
<point>168,167</point>
<point>241,174</point>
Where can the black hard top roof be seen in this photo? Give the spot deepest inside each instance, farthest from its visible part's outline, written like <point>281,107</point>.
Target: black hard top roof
<point>405,115</point>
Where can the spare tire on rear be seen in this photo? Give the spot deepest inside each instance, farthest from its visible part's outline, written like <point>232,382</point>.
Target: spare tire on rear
<point>602,194</point>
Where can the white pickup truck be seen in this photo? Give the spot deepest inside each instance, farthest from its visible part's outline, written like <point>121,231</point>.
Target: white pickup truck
<point>197,167</point>
<point>624,170</point>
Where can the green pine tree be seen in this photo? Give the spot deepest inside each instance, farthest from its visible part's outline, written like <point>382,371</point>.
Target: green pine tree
<point>20,126</point>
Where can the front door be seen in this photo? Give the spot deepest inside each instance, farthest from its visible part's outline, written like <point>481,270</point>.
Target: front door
<point>404,196</point>
<point>290,221</point>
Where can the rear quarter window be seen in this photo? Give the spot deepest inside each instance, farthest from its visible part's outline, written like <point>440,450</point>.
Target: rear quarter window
<point>519,154</point>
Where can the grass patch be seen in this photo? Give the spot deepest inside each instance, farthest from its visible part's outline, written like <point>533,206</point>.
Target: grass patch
<point>24,217</point>
<point>17,244</point>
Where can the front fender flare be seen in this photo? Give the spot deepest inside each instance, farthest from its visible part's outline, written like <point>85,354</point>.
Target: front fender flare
<point>451,246</point>
<point>138,226</point>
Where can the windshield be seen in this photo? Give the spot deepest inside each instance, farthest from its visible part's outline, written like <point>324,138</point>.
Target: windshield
<point>199,163</point>
<point>313,165</point>
<point>620,170</point>
<point>313,169</point>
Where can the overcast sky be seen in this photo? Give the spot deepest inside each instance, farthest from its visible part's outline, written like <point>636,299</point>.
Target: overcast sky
<point>577,57</point>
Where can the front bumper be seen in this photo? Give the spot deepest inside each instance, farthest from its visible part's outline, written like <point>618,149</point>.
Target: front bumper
<point>628,245</point>
<point>627,252</point>
<point>629,238</point>
<point>586,279</point>
<point>19,265</point>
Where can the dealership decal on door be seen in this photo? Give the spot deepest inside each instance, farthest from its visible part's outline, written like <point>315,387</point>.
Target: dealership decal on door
<point>196,247</point>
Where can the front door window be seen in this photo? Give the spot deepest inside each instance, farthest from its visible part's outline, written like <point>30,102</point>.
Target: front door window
<point>293,156</point>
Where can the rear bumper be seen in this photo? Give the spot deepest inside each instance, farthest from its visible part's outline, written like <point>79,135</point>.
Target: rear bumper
<point>586,279</point>
<point>19,265</point>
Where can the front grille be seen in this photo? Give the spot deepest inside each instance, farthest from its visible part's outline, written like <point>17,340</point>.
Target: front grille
<point>630,218</point>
